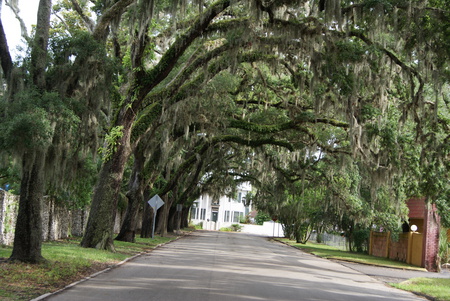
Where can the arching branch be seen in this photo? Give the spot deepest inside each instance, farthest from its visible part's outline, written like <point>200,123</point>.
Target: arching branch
<point>115,10</point>
<point>5,55</point>
<point>87,21</point>
<point>16,11</point>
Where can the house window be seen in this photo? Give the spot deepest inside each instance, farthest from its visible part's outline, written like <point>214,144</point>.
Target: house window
<point>203,214</point>
<point>194,213</point>
<point>226,217</point>
<point>237,216</point>
<point>239,197</point>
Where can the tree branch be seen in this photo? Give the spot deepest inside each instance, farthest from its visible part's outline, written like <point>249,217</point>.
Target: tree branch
<point>115,10</point>
<point>16,11</point>
<point>5,55</point>
<point>87,21</point>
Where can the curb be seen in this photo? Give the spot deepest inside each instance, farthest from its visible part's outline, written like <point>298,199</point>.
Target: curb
<point>356,262</point>
<point>44,296</point>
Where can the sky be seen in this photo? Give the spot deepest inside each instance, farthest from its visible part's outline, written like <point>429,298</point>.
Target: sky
<point>28,12</point>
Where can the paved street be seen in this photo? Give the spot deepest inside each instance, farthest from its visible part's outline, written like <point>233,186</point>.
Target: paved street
<point>231,266</point>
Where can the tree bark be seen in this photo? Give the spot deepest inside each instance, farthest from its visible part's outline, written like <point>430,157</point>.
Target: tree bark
<point>100,225</point>
<point>185,218</point>
<point>5,56</point>
<point>147,221</point>
<point>40,43</point>
<point>28,232</point>
<point>164,216</point>
<point>99,229</point>
<point>172,219</point>
<point>135,199</point>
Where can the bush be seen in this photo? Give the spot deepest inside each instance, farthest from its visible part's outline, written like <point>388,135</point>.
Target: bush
<point>236,227</point>
<point>199,226</point>
<point>444,247</point>
<point>262,217</point>
<point>361,240</point>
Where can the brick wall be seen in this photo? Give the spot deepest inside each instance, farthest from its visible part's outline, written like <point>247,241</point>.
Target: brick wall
<point>426,217</point>
<point>431,240</point>
<point>416,208</point>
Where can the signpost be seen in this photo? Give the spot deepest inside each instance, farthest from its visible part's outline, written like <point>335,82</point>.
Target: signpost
<point>155,202</point>
<point>274,218</point>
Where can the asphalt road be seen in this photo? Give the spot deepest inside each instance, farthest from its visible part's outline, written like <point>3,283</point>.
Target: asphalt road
<point>231,266</point>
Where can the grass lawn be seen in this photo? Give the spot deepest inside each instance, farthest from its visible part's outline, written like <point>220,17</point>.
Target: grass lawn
<point>437,288</point>
<point>328,252</point>
<point>67,262</point>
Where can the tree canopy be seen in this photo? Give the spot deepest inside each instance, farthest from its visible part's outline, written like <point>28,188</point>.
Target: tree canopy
<point>332,102</point>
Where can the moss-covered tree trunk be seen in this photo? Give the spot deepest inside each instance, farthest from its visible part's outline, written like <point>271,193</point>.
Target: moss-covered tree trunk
<point>100,225</point>
<point>99,229</point>
<point>184,217</point>
<point>135,199</point>
<point>28,231</point>
<point>163,216</point>
<point>172,220</point>
<point>147,221</point>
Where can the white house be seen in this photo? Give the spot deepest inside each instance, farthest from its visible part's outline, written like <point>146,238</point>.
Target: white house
<point>222,212</point>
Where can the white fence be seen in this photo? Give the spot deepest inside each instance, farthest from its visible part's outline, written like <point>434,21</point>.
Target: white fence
<point>270,229</point>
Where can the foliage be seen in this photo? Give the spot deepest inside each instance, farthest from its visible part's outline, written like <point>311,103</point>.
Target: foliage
<point>361,239</point>
<point>336,113</point>
<point>262,217</point>
<point>232,228</point>
<point>9,176</point>
<point>236,227</point>
<point>444,246</point>
<point>111,141</point>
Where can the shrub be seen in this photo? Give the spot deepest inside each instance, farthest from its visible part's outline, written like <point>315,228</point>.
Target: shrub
<point>236,227</point>
<point>444,247</point>
<point>262,217</point>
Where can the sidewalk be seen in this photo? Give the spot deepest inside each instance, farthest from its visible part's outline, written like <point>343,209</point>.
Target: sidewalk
<point>391,275</point>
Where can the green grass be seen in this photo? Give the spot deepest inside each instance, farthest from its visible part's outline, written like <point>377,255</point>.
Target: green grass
<point>329,252</point>
<point>66,262</point>
<point>434,287</point>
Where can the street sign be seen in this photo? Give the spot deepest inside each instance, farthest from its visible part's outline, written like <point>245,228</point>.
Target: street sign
<point>156,202</point>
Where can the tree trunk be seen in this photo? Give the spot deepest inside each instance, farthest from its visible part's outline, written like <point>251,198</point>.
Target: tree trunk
<point>172,219</point>
<point>5,56</point>
<point>147,221</point>
<point>164,216</point>
<point>100,225</point>
<point>185,217</point>
<point>135,199</point>
<point>28,231</point>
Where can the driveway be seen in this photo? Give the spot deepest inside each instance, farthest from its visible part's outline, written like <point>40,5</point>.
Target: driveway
<point>224,266</point>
